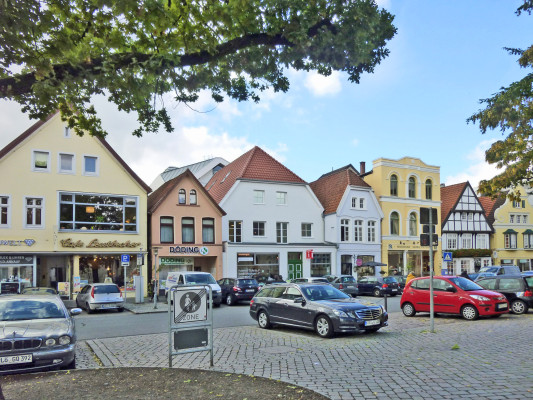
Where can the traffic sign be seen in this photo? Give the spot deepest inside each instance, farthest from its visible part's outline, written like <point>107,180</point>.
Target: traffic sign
<point>125,260</point>
<point>447,256</point>
<point>190,305</point>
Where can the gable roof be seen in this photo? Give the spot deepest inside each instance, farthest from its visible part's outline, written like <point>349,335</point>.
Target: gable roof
<point>449,197</point>
<point>330,187</point>
<point>159,195</point>
<point>256,165</point>
<point>199,169</point>
<point>490,205</point>
<point>35,127</point>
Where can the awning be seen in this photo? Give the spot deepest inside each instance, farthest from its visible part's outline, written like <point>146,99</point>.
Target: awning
<point>528,232</point>
<point>510,231</point>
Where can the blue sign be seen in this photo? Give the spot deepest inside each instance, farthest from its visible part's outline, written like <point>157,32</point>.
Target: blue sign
<point>125,258</point>
<point>447,256</point>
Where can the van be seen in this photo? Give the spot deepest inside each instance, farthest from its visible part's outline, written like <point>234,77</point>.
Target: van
<point>194,278</point>
<point>502,269</point>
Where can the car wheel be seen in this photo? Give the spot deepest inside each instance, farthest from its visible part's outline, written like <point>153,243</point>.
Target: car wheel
<point>263,320</point>
<point>323,326</point>
<point>408,310</point>
<point>469,312</point>
<point>518,307</point>
<point>229,300</point>
<point>89,311</point>
<point>377,293</point>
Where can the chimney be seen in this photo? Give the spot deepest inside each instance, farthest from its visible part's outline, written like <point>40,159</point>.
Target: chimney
<point>362,167</point>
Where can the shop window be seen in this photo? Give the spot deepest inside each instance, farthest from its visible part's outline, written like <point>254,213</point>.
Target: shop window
<point>90,166</point>
<point>34,212</point>
<point>429,186</point>
<point>281,232</point>
<point>192,197</point>
<point>182,196</point>
<point>235,231</point>
<point>5,206</point>
<point>306,230</point>
<point>187,230</point>
<point>394,185</point>
<point>166,226</point>
<point>321,264</point>
<point>394,223</point>
<point>208,230</point>
<point>412,188</point>
<point>41,161</point>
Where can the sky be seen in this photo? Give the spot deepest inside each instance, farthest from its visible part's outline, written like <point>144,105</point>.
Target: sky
<point>445,57</point>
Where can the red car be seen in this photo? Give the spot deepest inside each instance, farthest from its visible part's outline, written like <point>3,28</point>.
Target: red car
<point>452,295</point>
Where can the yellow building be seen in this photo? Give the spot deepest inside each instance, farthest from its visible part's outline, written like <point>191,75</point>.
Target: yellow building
<point>512,241</point>
<point>403,187</point>
<point>69,208</point>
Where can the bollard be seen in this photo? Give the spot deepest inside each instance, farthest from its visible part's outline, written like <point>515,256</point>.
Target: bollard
<point>385,297</point>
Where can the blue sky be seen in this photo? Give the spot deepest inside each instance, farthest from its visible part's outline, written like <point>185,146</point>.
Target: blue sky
<point>446,56</point>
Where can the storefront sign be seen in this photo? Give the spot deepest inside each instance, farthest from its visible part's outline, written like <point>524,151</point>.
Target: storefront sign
<point>63,288</point>
<point>95,243</point>
<point>189,249</point>
<point>16,260</point>
<point>165,261</point>
<point>76,284</point>
<point>27,242</point>
<point>406,246</point>
<point>309,254</point>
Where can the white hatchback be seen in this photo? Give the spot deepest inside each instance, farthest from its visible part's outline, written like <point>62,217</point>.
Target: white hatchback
<point>100,296</point>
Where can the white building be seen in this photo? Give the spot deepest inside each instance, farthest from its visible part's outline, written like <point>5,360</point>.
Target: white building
<point>274,221</point>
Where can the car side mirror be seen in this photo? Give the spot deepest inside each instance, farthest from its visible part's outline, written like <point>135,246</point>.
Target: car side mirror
<point>299,300</point>
<point>451,289</point>
<point>75,311</point>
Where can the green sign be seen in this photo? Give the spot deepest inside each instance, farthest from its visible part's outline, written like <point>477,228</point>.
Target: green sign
<point>166,261</point>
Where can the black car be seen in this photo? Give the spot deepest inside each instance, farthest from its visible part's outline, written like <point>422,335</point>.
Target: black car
<point>346,284</point>
<point>315,306</point>
<point>378,286</point>
<point>237,289</point>
<point>401,281</point>
<point>517,289</point>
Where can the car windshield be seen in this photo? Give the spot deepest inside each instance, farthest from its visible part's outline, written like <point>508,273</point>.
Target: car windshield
<point>246,282</point>
<point>494,270</point>
<point>465,284</point>
<point>106,289</point>
<point>17,310</point>
<point>323,292</point>
<point>199,279</point>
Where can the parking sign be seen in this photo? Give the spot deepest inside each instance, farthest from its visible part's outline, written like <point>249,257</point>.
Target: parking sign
<point>125,260</point>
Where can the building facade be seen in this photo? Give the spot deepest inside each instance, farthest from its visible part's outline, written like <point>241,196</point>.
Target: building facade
<point>465,230</point>
<point>402,187</point>
<point>352,220</point>
<point>69,208</point>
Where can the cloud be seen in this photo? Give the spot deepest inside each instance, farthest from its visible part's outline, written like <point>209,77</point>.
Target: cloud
<point>321,85</point>
<point>478,169</point>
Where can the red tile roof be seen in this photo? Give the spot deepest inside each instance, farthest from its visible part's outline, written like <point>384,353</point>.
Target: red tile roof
<point>330,187</point>
<point>449,196</point>
<point>490,205</point>
<point>255,164</point>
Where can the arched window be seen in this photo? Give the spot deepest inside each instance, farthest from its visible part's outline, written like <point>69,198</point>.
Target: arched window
<point>428,189</point>
<point>394,185</point>
<point>192,196</point>
<point>394,223</point>
<point>182,196</point>
<point>412,188</point>
<point>412,224</point>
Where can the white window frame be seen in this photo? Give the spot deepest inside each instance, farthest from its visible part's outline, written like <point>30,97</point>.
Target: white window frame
<point>451,241</point>
<point>482,241</point>
<point>7,206</point>
<point>263,228</point>
<point>67,133</point>
<point>97,165</point>
<point>282,229</point>
<point>237,231</point>
<point>33,167</point>
<point>510,239</point>
<point>65,171</point>
<point>466,240</point>
<point>259,196</point>
<point>354,202</point>
<point>358,230</point>
<point>362,203</point>
<point>304,229</point>
<point>371,231</point>
<point>25,212</point>
<point>281,198</point>
<point>345,230</point>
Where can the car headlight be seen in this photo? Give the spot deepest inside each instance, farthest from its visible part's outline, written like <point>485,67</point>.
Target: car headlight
<point>479,297</point>
<point>340,313</point>
<point>50,342</point>
<point>64,340</point>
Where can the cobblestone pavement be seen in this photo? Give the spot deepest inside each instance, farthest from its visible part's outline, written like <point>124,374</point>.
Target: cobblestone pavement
<point>484,359</point>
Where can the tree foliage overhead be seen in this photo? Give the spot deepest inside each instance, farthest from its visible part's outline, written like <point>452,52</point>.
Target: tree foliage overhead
<point>510,110</point>
<point>59,54</point>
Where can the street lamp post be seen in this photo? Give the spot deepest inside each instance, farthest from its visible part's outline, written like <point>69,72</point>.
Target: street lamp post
<point>156,275</point>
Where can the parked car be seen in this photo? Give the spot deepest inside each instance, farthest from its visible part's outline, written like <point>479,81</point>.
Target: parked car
<point>378,286</point>
<point>315,306</point>
<point>237,289</point>
<point>452,295</point>
<point>13,287</point>
<point>195,278</point>
<point>346,284</point>
<point>310,280</point>
<point>480,275</point>
<point>527,273</point>
<point>330,278</point>
<point>39,290</point>
<point>37,333</point>
<point>517,289</point>
<point>401,281</point>
<point>100,296</point>
<point>501,269</point>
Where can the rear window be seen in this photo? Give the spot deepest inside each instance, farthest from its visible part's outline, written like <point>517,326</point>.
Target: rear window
<point>320,280</point>
<point>510,284</point>
<point>246,282</point>
<point>106,289</point>
<point>390,279</point>
<point>529,280</point>
<point>494,270</point>
<point>347,279</point>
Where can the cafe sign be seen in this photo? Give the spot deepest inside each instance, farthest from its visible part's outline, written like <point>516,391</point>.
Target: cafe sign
<point>96,244</point>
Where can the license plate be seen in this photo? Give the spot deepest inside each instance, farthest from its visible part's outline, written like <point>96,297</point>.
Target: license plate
<point>372,322</point>
<point>249,290</point>
<point>20,359</point>
<point>107,306</point>
<point>501,306</point>
<point>394,290</point>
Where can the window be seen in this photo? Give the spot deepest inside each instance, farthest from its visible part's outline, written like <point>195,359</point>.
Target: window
<point>4,211</point>
<point>306,230</point>
<point>463,216</point>
<point>528,241</point>
<point>429,189</point>
<point>258,228</point>
<point>281,232</point>
<point>510,240</point>
<point>371,231</point>
<point>208,230</point>
<point>345,230</point>
<point>192,197</point>
<point>358,231</point>
<point>412,225</point>
<point>41,161</point>
<point>466,241</point>
<point>90,165</point>
<point>524,219</point>
<point>166,226</point>
<point>34,212</point>
<point>259,197</point>
<point>321,264</point>
<point>66,132</point>
<point>66,163</point>
<point>354,202</point>
<point>470,216</point>
<point>82,211</point>
<point>412,188</point>
<point>362,203</point>
<point>451,241</point>
<point>281,198</point>
<point>394,185</point>
<point>394,223</point>
<point>481,241</point>
<point>511,219</point>
<point>187,230</point>
<point>182,196</point>
<point>235,231</point>
<point>465,264</point>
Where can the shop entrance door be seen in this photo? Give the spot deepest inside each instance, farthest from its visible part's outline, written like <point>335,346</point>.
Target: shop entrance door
<point>294,266</point>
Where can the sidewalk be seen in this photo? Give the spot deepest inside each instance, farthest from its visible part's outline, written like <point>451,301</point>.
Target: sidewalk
<point>137,308</point>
